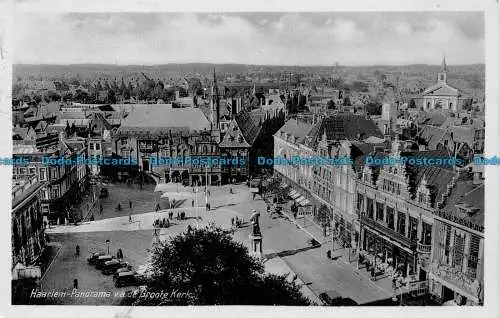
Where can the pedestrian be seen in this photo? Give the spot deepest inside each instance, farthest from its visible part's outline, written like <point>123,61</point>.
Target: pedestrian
<point>100,209</point>
<point>178,216</point>
<point>130,218</point>
<point>168,223</point>
<point>253,196</point>
<point>129,204</point>
<point>192,203</point>
<point>232,222</point>
<point>231,190</point>
<point>164,223</point>
<point>75,283</point>
<point>209,207</point>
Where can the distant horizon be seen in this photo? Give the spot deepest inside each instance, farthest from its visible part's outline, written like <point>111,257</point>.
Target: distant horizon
<point>242,64</point>
<point>305,39</point>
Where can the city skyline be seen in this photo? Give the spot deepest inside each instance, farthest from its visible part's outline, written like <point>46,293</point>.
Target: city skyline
<point>251,38</point>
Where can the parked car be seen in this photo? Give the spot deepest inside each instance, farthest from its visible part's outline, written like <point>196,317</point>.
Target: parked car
<point>331,298</point>
<point>99,264</point>
<point>104,193</point>
<point>94,257</point>
<point>126,279</point>
<point>111,266</point>
<point>122,270</point>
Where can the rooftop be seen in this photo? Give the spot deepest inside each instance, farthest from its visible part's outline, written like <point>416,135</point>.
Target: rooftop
<point>158,116</point>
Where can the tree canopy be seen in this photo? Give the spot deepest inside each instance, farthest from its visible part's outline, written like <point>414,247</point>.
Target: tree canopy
<point>209,268</point>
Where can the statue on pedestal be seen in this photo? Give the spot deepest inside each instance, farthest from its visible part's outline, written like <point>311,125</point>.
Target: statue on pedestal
<point>255,223</point>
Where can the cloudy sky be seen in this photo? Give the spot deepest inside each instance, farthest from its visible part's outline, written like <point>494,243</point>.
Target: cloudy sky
<point>250,38</point>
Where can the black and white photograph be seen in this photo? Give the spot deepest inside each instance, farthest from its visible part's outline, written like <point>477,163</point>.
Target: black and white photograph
<point>252,158</point>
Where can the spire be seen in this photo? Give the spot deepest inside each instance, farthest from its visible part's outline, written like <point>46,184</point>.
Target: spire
<point>443,65</point>
<point>443,71</point>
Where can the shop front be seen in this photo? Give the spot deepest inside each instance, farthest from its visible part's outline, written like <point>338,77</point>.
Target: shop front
<point>389,255</point>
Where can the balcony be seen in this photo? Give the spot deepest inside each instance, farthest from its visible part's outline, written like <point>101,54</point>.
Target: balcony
<point>388,232</point>
<point>423,248</point>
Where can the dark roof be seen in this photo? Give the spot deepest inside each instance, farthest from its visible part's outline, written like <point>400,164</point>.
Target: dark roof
<point>465,195</point>
<point>248,127</point>
<point>438,177</point>
<point>345,126</point>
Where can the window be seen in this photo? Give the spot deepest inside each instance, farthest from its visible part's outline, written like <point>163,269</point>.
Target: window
<point>413,229</point>
<point>473,260</point>
<point>43,174</point>
<point>390,218</point>
<point>369,208</point>
<point>380,211</point>
<point>361,203</point>
<point>124,141</point>
<point>91,146</point>
<point>97,146</point>
<point>426,233</point>
<point>32,171</point>
<point>458,251</point>
<point>401,223</point>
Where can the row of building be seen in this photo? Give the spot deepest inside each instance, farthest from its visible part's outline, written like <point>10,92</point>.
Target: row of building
<point>425,220</point>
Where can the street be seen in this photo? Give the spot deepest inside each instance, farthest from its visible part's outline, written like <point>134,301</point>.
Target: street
<point>282,239</point>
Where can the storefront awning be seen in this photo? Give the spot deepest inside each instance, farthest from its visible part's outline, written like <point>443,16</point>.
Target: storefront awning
<point>305,202</point>
<point>300,199</point>
<point>293,193</point>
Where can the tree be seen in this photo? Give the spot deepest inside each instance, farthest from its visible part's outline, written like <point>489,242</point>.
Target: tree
<point>207,267</point>
<point>330,104</point>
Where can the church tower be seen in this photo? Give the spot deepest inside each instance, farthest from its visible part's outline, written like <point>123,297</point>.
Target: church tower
<point>443,71</point>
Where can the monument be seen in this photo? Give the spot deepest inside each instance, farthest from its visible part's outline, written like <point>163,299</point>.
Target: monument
<point>256,235</point>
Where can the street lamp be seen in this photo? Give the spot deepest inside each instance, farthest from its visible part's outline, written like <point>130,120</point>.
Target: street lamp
<point>395,298</point>
<point>107,243</point>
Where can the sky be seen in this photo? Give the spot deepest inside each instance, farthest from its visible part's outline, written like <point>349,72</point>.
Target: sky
<point>347,38</point>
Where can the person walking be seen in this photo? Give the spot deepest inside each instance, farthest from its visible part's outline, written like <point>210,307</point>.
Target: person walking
<point>232,222</point>
<point>77,250</point>
<point>192,203</point>
<point>130,204</point>
<point>75,283</point>
<point>130,218</point>
<point>100,209</point>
